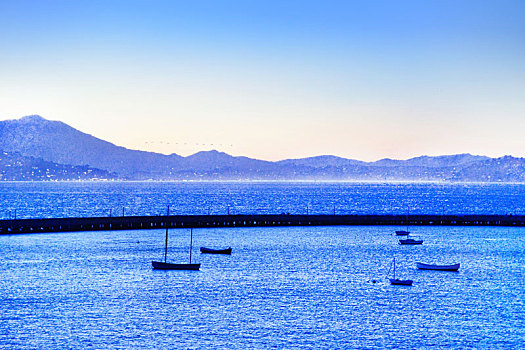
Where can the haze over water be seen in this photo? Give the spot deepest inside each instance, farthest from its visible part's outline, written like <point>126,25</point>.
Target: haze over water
<point>283,287</point>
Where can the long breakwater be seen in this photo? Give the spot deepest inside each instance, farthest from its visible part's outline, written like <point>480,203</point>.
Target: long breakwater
<point>208,221</point>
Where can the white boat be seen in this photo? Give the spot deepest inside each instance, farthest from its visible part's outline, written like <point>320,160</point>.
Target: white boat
<point>422,266</point>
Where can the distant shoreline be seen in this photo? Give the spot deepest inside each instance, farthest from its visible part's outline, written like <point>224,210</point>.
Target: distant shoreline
<point>274,181</point>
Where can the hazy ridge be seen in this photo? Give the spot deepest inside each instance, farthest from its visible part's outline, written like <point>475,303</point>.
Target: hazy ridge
<point>54,150</point>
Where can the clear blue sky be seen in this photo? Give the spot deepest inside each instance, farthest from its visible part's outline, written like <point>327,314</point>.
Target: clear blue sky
<point>273,79</point>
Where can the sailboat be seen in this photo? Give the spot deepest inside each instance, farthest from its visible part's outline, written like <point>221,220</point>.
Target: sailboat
<point>159,265</point>
<point>403,232</point>
<point>398,282</point>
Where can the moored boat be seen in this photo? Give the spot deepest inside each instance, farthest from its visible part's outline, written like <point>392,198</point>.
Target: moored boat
<point>205,250</point>
<point>402,233</point>
<point>159,265</point>
<point>409,241</point>
<point>422,266</point>
<point>397,282</point>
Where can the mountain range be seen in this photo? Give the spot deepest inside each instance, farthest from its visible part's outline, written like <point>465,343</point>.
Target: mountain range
<point>33,148</point>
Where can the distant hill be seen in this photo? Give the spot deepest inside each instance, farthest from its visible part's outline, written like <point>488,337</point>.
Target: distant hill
<point>59,143</point>
<point>433,162</point>
<point>506,168</point>
<point>36,142</point>
<point>15,167</point>
<point>321,162</point>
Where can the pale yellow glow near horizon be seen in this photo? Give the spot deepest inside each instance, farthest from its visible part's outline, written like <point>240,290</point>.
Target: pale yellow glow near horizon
<point>268,113</point>
<point>369,139</point>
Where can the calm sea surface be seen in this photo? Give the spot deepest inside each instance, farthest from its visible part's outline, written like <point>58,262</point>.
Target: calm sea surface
<point>78,199</point>
<point>282,287</point>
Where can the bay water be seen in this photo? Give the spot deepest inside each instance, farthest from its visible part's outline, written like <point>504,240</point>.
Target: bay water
<point>282,287</point>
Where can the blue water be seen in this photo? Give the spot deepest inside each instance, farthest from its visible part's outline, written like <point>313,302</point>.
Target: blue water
<point>80,199</point>
<point>282,287</point>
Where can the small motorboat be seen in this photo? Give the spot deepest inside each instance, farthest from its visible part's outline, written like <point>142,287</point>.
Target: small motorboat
<point>453,267</point>
<point>410,241</point>
<point>402,233</point>
<point>205,250</point>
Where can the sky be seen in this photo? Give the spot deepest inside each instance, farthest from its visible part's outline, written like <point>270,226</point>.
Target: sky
<point>272,79</point>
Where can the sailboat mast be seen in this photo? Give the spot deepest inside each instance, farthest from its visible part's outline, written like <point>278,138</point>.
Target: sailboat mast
<point>408,212</point>
<point>191,241</point>
<point>166,245</point>
<point>394,268</point>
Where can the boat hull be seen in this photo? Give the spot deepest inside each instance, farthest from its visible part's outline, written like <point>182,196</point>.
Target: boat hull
<point>158,265</point>
<point>397,282</point>
<point>402,233</point>
<point>422,266</point>
<point>205,250</point>
<point>410,241</point>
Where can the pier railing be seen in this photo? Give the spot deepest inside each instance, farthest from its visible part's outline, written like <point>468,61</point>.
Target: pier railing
<point>204,221</point>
